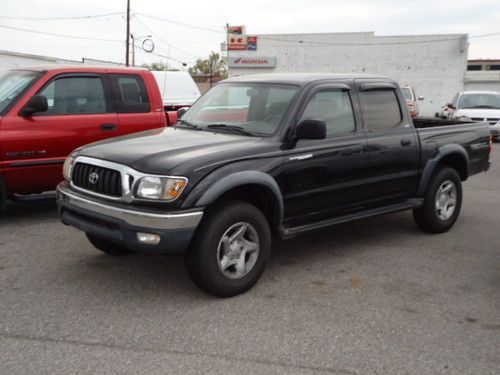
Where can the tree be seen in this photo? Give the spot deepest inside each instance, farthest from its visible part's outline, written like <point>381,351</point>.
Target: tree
<point>214,67</point>
<point>155,66</point>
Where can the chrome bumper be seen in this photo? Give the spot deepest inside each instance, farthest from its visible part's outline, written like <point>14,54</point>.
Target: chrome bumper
<point>168,221</point>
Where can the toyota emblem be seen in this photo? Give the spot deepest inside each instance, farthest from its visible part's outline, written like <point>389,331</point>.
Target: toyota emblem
<point>93,178</point>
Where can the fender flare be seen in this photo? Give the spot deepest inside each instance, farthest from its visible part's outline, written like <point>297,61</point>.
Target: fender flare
<point>430,166</point>
<point>239,179</point>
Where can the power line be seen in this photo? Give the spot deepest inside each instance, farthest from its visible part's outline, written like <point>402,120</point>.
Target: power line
<point>60,18</point>
<point>182,24</point>
<point>162,56</point>
<point>483,35</point>
<point>164,41</point>
<point>60,35</point>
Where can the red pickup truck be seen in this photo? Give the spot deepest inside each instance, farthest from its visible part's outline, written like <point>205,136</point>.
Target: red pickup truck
<point>47,112</point>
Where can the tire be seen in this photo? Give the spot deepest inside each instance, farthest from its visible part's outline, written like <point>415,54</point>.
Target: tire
<point>230,249</point>
<point>108,247</point>
<point>442,202</point>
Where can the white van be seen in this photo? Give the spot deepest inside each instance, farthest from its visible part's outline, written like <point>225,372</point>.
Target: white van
<point>177,89</point>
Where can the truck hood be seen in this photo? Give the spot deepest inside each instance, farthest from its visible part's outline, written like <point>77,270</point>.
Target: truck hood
<point>481,113</point>
<point>159,151</point>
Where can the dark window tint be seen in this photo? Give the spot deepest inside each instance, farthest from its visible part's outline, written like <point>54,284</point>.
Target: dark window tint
<point>74,96</point>
<point>380,109</point>
<point>334,107</point>
<point>495,67</point>
<point>130,94</point>
<point>474,67</point>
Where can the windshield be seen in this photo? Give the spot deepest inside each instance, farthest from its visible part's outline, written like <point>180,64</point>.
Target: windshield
<point>407,94</point>
<point>248,108</point>
<point>12,83</point>
<point>478,100</point>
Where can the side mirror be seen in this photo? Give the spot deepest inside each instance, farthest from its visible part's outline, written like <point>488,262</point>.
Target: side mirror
<point>37,103</point>
<point>421,98</point>
<point>181,111</point>
<point>450,105</point>
<point>311,129</point>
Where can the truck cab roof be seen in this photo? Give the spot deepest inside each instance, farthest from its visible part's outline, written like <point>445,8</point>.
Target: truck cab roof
<point>301,79</point>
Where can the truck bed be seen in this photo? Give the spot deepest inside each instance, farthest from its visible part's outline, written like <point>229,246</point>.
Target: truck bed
<point>431,122</point>
<point>473,137</point>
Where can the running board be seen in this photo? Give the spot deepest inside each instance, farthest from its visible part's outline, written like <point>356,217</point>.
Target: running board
<point>288,232</point>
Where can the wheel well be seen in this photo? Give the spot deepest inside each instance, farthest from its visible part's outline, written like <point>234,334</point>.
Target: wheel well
<point>261,197</point>
<point>457,162</point>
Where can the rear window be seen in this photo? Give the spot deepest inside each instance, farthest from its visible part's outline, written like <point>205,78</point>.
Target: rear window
<point>380,109</point>
<point>130,93</point>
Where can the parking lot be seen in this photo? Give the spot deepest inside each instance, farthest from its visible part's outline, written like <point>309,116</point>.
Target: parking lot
<point>375,296</point>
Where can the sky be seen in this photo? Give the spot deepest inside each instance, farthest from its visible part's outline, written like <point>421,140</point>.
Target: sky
<point>187,30</point>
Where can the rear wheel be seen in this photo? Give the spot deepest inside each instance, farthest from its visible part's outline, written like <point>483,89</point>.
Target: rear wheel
<point>230,249</point>
<point>106,246</point>
<point>442,202</point>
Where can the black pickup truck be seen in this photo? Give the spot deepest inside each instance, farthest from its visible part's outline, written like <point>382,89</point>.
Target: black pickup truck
<point>267,155</point>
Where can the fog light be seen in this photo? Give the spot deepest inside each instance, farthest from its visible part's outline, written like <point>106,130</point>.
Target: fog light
<point>148,238</point>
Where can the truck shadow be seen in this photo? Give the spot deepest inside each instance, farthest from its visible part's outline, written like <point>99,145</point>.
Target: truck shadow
<point>147,277</point>
<point>29,210</point>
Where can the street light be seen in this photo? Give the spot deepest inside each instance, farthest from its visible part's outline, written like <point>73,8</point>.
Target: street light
<point>144,38</point>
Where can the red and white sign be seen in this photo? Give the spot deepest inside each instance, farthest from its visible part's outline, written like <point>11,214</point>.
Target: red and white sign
<point>236,42</point>
<point>236,38</point>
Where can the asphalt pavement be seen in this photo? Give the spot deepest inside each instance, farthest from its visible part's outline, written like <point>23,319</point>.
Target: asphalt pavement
<point>376,296</point>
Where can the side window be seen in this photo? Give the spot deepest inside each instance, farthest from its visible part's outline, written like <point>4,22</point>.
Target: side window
<point>74,96</point>
<point>380,109</point>
<point>334,107</point>
<point>130,93</point>
<point>278,100</point>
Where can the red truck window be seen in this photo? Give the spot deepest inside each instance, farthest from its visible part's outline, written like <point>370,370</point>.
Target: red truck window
<point>130,93</point>
<point>74,96</point>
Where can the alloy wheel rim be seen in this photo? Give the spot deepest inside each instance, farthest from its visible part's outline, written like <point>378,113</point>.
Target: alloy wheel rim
<point>238,250</point>
<point>446,200</point>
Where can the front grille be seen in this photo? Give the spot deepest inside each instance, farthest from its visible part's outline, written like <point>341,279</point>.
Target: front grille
<point>491,121</point>
<point>97,179</point>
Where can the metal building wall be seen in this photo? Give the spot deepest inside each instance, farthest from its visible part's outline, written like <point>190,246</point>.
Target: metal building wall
<point>434,65</point>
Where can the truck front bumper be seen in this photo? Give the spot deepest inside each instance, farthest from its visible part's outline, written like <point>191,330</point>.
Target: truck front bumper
<point>138,230</point>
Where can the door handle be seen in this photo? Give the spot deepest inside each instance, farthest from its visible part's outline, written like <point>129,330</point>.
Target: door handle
<point>405,142</point>
<point>108,127</point>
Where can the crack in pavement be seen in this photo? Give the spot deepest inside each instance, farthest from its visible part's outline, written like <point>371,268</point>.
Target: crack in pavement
<point>173,352</point>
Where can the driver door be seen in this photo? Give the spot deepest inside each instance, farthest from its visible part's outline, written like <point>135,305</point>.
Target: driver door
<point>325,178</point>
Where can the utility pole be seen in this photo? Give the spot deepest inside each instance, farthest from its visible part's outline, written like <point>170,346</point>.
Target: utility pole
<point>127,44</point>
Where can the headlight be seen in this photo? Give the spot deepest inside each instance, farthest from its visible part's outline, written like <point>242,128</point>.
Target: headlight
<point>68,164</point>
<point>160,188</point>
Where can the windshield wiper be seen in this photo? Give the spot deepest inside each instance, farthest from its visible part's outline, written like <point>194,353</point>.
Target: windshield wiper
<point>186,124</point>
<point>233,128</point>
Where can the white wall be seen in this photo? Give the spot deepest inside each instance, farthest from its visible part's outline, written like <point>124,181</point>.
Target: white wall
<point>13,60</point>
<point>435,68</point>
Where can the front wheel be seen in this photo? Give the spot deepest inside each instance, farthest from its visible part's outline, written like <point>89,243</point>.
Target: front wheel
<point>442,202</point>
<point>230,249</point>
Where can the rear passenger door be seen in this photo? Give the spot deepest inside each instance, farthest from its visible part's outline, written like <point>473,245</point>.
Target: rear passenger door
<point>132,103</point>
<point>392,143</point>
